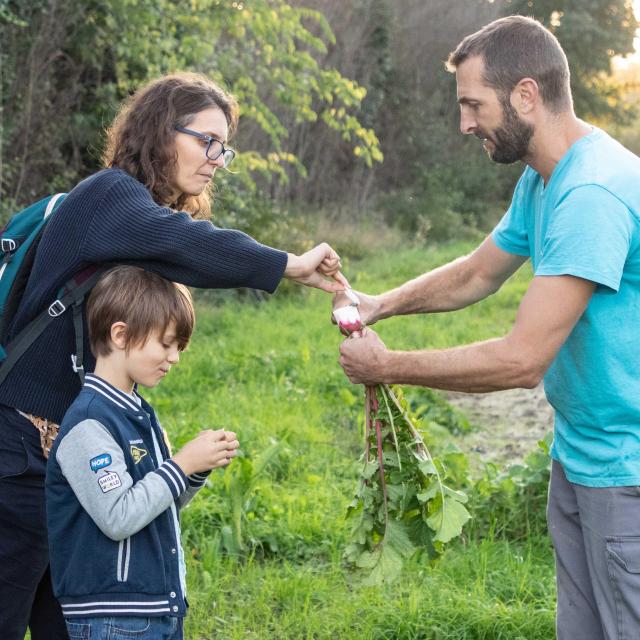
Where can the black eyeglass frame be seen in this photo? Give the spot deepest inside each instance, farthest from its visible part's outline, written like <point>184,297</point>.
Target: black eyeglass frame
<point>210,140</point>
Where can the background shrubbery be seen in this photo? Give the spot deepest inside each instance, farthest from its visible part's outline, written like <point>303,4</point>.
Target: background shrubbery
<point>346,108</point>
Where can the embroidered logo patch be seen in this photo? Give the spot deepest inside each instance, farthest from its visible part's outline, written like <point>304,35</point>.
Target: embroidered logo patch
<point>138,453</point>
<point>100,462</point>
<point>109,481</point>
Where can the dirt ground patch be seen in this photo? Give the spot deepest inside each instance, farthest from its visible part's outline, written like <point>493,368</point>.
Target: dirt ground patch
<point>508,423</point>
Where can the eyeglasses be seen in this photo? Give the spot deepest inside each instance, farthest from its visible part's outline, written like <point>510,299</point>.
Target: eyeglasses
<point>215,148</point>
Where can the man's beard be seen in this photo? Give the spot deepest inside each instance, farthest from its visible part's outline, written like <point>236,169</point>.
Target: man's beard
<point>510,140</point>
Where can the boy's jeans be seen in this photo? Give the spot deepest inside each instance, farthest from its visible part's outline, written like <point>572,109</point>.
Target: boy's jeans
<point>125,628</point>
<point>596,536</point>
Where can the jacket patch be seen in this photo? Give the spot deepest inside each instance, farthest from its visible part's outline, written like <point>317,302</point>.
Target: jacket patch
<point>100,462</point>
<point>137,453</point>
<point>109,481</point>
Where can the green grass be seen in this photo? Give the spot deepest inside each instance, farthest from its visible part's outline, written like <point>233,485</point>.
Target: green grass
<point>269,371</point>
<point>486,590</point>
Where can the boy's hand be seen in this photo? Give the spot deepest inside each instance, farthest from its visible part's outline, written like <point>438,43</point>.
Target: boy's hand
<point>208,450</point>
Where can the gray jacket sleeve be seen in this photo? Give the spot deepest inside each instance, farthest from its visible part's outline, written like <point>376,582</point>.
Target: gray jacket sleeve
<point>108,494</point>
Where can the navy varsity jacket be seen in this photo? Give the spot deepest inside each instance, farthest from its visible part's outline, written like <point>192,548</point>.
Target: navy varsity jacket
<point>113,496</point>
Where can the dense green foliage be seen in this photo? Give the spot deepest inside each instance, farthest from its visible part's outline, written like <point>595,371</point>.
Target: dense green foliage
<point>71,67</point>
<point>327,88</point>
<point>402,506</point>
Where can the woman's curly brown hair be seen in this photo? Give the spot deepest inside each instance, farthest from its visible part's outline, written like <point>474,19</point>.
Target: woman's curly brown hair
<point>141,138</point>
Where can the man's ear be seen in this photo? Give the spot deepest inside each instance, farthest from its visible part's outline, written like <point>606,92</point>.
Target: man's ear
<point>525,96</point>
<point>119,335</point>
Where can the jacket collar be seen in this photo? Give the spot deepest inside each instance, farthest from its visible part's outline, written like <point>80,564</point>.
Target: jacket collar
<point>119,398</point>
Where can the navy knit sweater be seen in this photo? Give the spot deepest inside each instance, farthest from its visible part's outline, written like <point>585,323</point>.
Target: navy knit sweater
<point>111,218</point>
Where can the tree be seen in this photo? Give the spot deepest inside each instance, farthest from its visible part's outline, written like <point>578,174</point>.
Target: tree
<point>591,32</point>
<point>65,70</point>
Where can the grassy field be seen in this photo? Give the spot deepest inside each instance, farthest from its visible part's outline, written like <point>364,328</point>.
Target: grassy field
<point>269,371</point>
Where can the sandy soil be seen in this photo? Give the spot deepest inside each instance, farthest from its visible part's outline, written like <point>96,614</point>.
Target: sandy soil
<point>508,423</point>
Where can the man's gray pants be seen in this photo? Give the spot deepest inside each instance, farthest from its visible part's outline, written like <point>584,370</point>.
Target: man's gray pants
<point>596,536</point>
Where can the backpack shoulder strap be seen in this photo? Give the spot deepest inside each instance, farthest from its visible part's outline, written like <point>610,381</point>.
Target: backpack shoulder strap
<point>51,205</point>
<point>74,292</point>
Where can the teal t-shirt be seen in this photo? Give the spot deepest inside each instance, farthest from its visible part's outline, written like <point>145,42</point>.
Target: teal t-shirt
<point>586,222</point>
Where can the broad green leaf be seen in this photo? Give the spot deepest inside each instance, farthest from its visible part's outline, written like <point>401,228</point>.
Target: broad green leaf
<point>456,495</point>
<point>352,552</point>
<point>370,470</point>
<point>427,467</point>
<point>398,537</point>
<point>385,564</point>
<point>448,520</point>
<point>431,491</point>
<point>421,535</point>
<point>361,531</point>
<point>395,492</point>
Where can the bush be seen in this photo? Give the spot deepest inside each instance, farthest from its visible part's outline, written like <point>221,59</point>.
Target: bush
<point>463,194</point>
<point>512,503</point>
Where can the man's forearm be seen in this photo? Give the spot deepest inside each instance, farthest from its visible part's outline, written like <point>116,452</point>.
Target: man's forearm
<point>453,286</point>
<point>486,366</point>
<point>446,288</point>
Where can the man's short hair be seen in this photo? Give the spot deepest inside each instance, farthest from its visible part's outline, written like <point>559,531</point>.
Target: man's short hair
<point>514,48</point>
<point>144,301</point>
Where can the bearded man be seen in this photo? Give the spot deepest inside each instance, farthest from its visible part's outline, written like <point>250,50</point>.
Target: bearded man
<point>575,213</point>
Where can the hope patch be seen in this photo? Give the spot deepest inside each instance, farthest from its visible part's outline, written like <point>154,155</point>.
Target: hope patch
<point>109,481</point>
<point>100,462</point>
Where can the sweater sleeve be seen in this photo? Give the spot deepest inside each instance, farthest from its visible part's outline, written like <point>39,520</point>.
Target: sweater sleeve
<point>94,466</point>
<point>127,226</point>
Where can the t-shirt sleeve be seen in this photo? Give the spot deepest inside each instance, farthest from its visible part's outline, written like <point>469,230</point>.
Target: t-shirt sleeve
<point>589,236</point>
<point>511,233</point>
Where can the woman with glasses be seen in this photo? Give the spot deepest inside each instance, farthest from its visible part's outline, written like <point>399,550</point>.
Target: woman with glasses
<point>149,207</point>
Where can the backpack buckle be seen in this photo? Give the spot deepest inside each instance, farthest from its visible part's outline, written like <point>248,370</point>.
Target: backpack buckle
<point>74,364</point>
<point>56,308</point>
<point>8,245</point>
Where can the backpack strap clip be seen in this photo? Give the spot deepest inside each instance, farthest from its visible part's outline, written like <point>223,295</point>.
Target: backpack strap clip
<point>77,368</point>
<point>56,308</point>
<point>8,245</point>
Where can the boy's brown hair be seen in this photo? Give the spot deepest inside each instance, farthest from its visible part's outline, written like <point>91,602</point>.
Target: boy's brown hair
<point>144,301</point>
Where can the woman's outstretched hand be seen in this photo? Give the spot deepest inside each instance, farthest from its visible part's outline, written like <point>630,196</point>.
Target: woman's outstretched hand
<point>315,267</point>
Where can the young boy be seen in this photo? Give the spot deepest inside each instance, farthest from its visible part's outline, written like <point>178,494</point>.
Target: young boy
<point>113,490</point>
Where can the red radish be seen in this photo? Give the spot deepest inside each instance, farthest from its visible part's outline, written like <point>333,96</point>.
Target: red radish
<point>348,318</point>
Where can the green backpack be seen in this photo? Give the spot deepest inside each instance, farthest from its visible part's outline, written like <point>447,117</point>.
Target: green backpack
<point>19,241</point>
